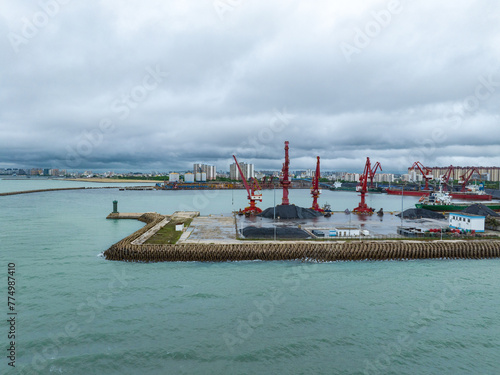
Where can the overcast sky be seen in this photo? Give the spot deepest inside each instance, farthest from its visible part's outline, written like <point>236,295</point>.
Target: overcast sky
<point>160,85</point>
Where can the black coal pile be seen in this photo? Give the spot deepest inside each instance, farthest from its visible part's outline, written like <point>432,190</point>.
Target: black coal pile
<point>289,212</point>
<point>421,213</point>
<point>268,233</point>
<point>480,209</point>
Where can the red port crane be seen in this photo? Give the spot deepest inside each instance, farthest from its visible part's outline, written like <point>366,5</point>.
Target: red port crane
<point>373,171</point>
<point>285,178</point>
<point>426,173</point>
<point>267,183</point>
<point>445,179</point>
<point>315,189</point>
<point>362,188</point>
<point>464,179</point>
<point>253,191</point>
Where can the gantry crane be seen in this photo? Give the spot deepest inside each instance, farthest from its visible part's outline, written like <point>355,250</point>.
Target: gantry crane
<point>426,173</point>
<point>315,192</point>
<point>254,192</point>
<point>362,188</point>
<point>445,179</point>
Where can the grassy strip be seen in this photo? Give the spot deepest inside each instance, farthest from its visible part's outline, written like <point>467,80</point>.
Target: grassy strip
<point>167,234</point>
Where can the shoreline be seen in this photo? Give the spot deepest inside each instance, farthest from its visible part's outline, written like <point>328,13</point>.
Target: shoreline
<point>111,180</point>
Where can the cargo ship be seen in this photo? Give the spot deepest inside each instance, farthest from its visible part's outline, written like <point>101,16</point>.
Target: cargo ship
<point>441,201</point>
<point>416,193</point>
<point>473,193</point>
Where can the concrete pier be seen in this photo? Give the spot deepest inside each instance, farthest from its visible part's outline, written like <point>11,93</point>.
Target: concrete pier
<point>130,248</point>
<point>127,215</point>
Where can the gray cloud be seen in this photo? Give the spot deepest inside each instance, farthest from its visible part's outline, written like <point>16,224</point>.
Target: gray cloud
<point>425,87</point>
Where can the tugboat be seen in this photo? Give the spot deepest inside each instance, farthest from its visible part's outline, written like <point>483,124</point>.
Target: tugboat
<point>327,209</point>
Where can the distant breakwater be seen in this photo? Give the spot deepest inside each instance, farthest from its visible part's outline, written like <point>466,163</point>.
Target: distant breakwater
<point>124,250</point>
<point>57,189</point>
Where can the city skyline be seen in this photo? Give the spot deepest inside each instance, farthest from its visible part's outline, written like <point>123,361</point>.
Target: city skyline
<point>438,173</point>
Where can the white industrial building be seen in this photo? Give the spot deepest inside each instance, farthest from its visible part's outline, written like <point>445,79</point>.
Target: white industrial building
<point>342,232</point>
<point>348,232</point>
<point>468,222</point>
<point>173,177</point>
<point>189,178</point>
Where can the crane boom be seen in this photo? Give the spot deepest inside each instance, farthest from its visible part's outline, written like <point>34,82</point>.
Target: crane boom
<point>446,177</point>
<point>373,171</point>
<point>242,177</point>
<point>464,179</point>
<point>251,190</point>
<point>426,172</point>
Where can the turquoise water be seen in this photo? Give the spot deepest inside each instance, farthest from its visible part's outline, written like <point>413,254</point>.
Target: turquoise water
<point>81,314</point>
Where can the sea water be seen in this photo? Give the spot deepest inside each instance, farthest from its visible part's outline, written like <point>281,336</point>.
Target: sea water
<point>81,314</point>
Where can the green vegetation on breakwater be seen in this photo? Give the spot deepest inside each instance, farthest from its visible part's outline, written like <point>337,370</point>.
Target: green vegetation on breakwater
<point>168,234</point>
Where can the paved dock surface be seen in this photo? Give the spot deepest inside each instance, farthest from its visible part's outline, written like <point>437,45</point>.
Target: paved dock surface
<point>210,229</point>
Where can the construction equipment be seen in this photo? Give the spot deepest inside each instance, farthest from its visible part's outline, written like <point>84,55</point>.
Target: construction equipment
<point>373,171</point>
<point>446,177</point>
<point>271,182</point>
<point>464,179</point>
<point>362,188</point>
<point>254,193</point>
<point>315,192</point>
<point>267,182</point>
<point>426,173</point>
<point>285,177</point>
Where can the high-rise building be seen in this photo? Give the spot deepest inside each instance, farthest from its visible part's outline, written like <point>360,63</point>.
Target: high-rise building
<point>209,170</point>
<point>247,169</point>
<point>485,173</point>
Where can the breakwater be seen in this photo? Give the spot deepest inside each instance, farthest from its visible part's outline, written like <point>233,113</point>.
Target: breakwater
<point>124,250</point>
<point>397,250</point>
<point>39,191</point>
<point>56,189</point>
